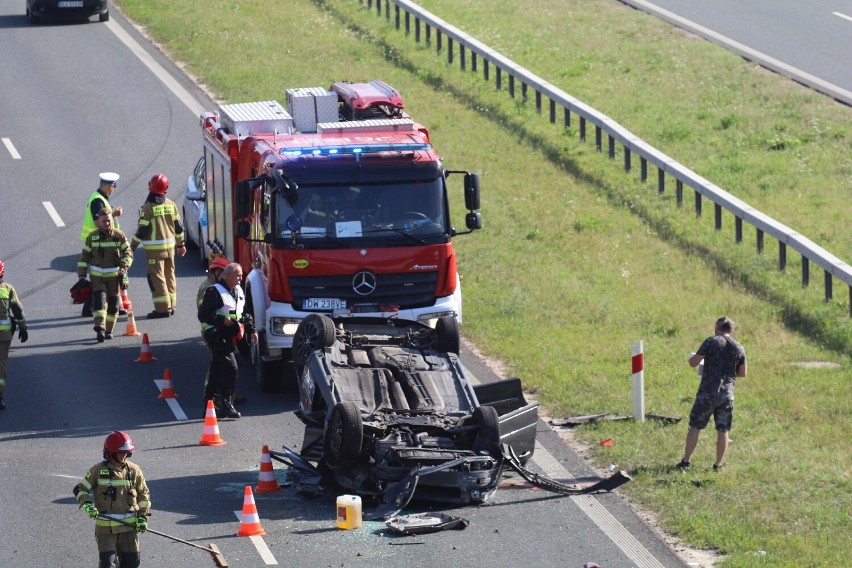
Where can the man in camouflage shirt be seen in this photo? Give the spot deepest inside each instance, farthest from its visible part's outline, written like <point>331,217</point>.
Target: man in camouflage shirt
<point>724,361</point>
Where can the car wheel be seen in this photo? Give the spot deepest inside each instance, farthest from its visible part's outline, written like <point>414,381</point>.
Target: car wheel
<point>488,436</point>
<point>104,17</point>
<point>33,19</point>
<point>447,330</point>
<point>314,332</point>
<point>344,435</point>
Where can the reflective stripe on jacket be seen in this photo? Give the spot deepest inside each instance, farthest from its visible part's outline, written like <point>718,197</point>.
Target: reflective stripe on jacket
<point>10,308</point>
<point>159,227</point>
<point>104,254</point>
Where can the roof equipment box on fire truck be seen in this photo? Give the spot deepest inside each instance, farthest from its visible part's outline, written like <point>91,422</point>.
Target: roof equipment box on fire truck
<point>336,205</point>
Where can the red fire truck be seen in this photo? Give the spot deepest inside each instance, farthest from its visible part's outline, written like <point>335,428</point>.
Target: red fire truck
<point>336,204</point>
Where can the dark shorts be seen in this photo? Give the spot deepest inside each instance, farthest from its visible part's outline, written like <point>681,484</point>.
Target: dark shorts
<point>719,405</point>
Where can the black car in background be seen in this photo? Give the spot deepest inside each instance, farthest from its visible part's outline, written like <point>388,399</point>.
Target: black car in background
<point>38,9</point>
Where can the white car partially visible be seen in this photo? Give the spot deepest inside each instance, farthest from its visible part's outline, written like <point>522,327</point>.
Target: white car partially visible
<point>195,210</point>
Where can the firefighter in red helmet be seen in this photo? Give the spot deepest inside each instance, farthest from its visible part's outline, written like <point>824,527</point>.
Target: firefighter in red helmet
<point>116,487</point>
<point>160,232</point>
<point>11,317</point>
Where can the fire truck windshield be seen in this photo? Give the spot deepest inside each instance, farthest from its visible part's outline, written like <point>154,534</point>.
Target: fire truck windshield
<point>388,213</point>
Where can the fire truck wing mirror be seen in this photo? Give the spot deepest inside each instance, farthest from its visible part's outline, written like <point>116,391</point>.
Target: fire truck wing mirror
<point>471,192</point>
<point>243,190</point>
<point>242,229</point>
<point>473,221</point>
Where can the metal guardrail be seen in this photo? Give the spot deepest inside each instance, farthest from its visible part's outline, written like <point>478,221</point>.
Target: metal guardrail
<point>470,52</point>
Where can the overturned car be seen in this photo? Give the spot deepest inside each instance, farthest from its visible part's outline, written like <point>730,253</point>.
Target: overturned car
<point>385,401</point>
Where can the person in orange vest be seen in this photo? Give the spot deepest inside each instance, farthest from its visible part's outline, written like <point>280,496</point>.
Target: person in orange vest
<point>116,487</point>
<point>160,232</point>
<point>106,258</point>
<point>11,317</point>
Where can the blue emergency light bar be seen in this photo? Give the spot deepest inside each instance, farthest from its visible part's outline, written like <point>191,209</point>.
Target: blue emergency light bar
<point>354,150</point>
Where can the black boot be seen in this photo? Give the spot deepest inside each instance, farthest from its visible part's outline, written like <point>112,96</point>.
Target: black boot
<point>99,335</point>
<point>228,410</point>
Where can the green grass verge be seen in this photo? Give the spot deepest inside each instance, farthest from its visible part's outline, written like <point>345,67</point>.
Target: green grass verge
<point>578,260</point>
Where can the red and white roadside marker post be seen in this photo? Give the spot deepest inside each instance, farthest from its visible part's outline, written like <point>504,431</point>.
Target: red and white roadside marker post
<point>637,356</point>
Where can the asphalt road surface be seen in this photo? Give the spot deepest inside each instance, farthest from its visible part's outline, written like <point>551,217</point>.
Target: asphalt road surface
<point>79,98</point>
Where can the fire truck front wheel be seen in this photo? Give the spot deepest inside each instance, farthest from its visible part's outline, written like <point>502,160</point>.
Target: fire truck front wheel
<point>268,374</point>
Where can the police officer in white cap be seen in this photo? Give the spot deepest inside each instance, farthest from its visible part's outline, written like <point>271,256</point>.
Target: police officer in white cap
<point>98,200</point>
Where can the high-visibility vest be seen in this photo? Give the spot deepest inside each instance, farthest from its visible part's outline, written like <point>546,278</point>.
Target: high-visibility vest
<point>229,304</point>
<point>89,221</point>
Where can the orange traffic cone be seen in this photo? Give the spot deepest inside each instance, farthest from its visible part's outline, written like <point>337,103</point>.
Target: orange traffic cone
<point>125,301</point>
<point>130,329</point>
<point>145,355</point>
<point>267,482</point>
<point>210,436</point>
<point>250,521</point>
<point>168,391</point>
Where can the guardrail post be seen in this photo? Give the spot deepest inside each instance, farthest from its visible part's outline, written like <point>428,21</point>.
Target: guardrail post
<point>637,364</point>
<point>738,230</point>
<point>611,145</point>
<point>416,30</point>
<point>717,209</point>
<point>828,286</point>
<point>498,84</point>
<point>566,118</point>
<point>806,276</point>
<point>679,193</point>
<point>387,10</point>
<point>697,204</point>
<point>598,138</point>
<point>462,57</point>
<point>407,23</point>
<point>396,17</point>
<point>473,61</point>
<point>511,85</point>
<point>782,256</point>
<point>538,102</point>
<point>627,156</point>
<point>428,35</point>
<point>552,111</point>
<point>759,240</point>
<point>440,40</point>
<point>449,50</point>
<point>583,128</point>
<point>661,181</point>
<point>643,168</point>
<point>486,67</point>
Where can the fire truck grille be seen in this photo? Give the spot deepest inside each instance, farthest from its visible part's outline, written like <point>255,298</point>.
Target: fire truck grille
<point>406,290</point>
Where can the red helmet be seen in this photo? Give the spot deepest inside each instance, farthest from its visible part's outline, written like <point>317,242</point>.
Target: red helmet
<point>2,268</point>
<point>219,264</point>
<point>118,442</point>
<point>158,184</point>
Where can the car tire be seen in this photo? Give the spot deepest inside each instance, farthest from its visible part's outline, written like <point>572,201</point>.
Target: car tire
<point>104,17</point>
<point>314,332</point>
<point>344,435</point>
<point>488,437</point>
<point>447,330</point>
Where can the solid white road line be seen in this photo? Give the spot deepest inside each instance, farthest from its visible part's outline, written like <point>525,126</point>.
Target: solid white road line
<point>844,16</point>
<point>170,82</point>
<point>260,545</point>
<point>172,402</point>
<point>609,525</point>
<point>11,148</point>
<point>57,220</point>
